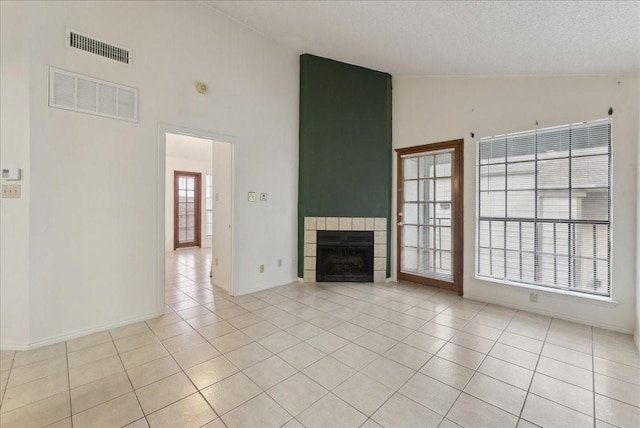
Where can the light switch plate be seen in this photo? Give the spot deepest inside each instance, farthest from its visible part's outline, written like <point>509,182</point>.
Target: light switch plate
<point>11,191</point>
<point>252,196</point>
<point>11,173</point>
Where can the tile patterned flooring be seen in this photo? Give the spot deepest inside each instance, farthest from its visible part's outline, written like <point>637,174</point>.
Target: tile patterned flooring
<point>326,355</point>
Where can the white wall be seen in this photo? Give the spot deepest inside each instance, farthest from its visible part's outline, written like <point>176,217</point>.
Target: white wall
<point>93,238</point>
<point>185,153</point>
<point>222,215</point>
<point>432,109</point>
<point>14,152</point>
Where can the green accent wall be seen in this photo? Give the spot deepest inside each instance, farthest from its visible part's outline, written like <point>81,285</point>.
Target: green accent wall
<point>345,144</point>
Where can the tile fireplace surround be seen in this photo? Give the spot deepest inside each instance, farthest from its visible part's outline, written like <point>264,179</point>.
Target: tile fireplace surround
<point>376,224</point>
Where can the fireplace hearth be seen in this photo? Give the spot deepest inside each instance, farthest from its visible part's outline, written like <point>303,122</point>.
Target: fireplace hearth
<point>345,256</point>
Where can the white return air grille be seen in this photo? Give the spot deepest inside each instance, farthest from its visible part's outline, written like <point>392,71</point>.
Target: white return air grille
<point>98,47</point>
<point>72,91</point>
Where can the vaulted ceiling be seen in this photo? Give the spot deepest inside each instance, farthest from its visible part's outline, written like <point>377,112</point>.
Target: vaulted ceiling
<point>455,37</point>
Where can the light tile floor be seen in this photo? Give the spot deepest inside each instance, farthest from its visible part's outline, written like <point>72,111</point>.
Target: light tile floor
<point>326,355</point>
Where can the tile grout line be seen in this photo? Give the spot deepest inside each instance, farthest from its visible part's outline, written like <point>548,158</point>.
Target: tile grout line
<point>6,386</point>
<point>561,404</point>
<point>476,369</point>
<point>119,352</point>
<point>535,370</point>
<point>39,379</point>
<point>66,354</point>
<point>435,354</point>
<point>182,370</point>
<point>328,355</point>
<point>349,342</point>
<point>219,416</point>
<point>397,391</point>
<point>33,381</point>
<point>398,294</point>
<point>130,383</point>
<point>301,371</point>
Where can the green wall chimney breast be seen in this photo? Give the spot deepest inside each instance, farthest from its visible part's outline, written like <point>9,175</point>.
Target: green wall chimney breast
<point>345,148</point>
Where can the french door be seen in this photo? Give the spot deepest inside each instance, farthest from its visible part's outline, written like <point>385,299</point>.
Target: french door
<point>186,208</point>
<point>429,217</point>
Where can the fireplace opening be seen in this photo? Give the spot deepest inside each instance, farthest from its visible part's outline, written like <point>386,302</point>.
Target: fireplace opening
<point>345,256</point>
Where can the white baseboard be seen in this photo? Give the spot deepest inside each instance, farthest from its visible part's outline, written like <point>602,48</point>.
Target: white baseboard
<point>636,337</point>
<point>13,347</point>
<point>224,286</point>
<point>76,334</point>
<point>548,313</point>
<point>256,289</point>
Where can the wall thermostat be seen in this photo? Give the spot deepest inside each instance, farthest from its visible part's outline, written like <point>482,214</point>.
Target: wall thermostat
<point>11,173</point>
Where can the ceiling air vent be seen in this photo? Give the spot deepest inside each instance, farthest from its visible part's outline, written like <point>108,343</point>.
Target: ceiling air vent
<point>75,92</point>
<point>98,47</point>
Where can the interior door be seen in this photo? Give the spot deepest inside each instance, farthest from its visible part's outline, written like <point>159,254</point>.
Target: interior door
<point>429,215</point>
<point>187,202</point>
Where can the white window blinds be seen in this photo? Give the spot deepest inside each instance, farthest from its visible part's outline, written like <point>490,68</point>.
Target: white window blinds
<point>544,207</point>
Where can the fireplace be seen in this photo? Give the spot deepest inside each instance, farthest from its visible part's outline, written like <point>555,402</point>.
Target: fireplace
<point>344,256</point>
<point>315,225</point>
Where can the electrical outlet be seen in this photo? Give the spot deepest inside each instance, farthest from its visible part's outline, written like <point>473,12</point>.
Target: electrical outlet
<point>533,297</point>
<point>11,191</point>
<point>251,196</point>
<point>261,268</point>
<point>263,197</point>
<point>279,262</point>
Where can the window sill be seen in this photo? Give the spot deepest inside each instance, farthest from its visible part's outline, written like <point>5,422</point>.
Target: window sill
<point>549,290</point>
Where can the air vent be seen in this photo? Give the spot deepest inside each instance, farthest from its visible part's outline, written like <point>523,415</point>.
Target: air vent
<point>75,92</point>
<point>98,47</point>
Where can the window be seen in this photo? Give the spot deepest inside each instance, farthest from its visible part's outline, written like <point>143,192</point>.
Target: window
<point>544,208</point>
<point>208,195</point>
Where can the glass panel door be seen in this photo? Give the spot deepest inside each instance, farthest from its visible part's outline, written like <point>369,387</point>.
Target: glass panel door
<point>187,209</point>
<point>427,217</point>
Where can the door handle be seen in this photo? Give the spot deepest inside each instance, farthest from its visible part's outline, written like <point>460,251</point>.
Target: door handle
<point>400,223</point>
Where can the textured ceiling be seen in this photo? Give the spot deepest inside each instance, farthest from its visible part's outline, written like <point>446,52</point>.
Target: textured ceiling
<point>454,37</point>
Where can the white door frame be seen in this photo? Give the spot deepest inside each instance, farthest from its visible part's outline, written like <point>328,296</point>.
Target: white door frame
<point>163,129</point>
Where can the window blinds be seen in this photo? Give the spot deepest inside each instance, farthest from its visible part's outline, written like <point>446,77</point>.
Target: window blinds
<point>544,207</point>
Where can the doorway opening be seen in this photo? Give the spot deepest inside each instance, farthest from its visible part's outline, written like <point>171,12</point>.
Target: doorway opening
<point>197,208</point>
<point>429,215</point>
